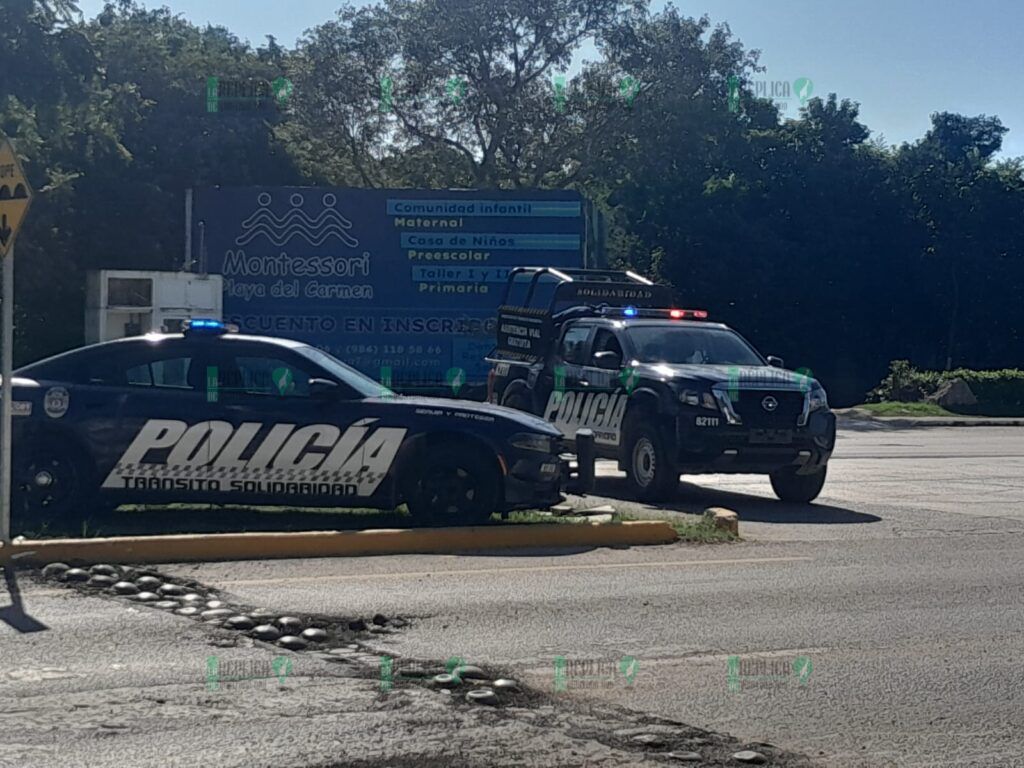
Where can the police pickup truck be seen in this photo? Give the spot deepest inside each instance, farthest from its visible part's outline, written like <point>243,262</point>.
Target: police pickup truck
<point>664,391</point>
<point>214,416</point>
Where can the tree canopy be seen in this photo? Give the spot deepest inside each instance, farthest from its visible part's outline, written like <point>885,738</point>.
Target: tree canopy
<point>824,246</point>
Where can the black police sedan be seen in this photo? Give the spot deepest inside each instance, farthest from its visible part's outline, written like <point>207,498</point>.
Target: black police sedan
<point>213,416</point>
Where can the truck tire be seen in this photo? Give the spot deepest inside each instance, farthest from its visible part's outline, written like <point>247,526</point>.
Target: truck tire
<point>54,486</point>
<point>518,398</point>
<point>452,485</point>
<point>650,467</point>
<point>799,489</point>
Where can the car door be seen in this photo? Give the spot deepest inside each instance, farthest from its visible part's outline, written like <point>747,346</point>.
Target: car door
<point>606,388</point>
<point>568,392</point>
<point>287,445</point>
<point>162,396</point>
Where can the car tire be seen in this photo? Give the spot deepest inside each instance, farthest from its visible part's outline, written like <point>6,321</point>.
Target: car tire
<point>455,485</point>
<point>54,487</point>
<point>798,489</point>
<point>651,470</point>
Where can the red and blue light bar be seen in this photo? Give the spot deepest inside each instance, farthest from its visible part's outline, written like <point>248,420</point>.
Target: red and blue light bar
<point>674,314</point>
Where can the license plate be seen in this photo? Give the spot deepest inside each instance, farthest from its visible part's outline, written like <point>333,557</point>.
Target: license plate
<point>549,468</point>
<point>771,436</point>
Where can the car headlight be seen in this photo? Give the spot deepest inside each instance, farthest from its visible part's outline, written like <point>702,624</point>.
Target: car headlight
<point>529,441</point>
<point>818,398</point>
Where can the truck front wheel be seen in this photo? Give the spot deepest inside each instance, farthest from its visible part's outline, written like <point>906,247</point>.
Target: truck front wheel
<point>799,489</point>
<point>650,466</point>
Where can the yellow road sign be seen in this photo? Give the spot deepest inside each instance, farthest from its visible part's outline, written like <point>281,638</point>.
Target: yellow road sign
<point>15,195</point>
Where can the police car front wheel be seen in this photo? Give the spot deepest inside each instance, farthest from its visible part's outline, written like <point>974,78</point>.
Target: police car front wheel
<point>452,486</point>
<point>800,489</point>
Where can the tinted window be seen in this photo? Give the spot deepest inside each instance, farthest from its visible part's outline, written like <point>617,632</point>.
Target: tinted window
<point>255,375</point>
<point>574,344</point>
<point>359,384</point>
<point>606,341</point>
<point>689,344</point>
<point>170,372</point>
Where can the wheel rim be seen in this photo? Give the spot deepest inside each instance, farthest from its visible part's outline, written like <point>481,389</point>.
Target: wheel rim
<point>644,461</point>
<point>450,491</point>
<point>50,483</point>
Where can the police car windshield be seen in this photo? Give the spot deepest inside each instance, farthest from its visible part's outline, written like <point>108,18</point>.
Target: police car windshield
<point>362,384</point>
<point>681,344</point>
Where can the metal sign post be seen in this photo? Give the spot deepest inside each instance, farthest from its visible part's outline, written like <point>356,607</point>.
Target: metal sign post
<point>15,196</point>
<point>6,363</point>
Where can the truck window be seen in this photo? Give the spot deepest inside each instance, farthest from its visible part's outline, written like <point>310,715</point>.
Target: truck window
<point>606,341</point>
<point>574,344</point>
<point>691,345</point>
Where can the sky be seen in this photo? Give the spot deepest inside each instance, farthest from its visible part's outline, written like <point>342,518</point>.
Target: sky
<point>901,60</point>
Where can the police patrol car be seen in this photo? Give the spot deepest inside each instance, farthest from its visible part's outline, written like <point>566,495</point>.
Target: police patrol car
<point>664,391</point>
<point>214,416</point>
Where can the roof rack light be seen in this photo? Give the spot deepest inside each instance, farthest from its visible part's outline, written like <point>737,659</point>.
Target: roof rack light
<point>675,314</point>
<point>207,326</point>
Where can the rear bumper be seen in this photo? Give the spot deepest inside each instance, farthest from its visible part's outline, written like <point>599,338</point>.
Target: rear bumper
<point>741,449</point>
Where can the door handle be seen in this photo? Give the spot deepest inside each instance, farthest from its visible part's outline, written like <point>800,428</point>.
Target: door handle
<point>584,383</point>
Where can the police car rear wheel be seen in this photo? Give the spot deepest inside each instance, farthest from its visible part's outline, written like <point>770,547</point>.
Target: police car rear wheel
<point>51,487</point>
<point>651,471</point>
<point>453,486</point>
<point>798,489</point>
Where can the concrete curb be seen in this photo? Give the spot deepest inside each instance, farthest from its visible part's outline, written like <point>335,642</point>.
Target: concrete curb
<point>257,546</point>
<point>855,416</point>
<point>725,519</point>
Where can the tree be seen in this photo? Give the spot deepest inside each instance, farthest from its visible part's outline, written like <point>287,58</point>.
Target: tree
<point>463,79</point>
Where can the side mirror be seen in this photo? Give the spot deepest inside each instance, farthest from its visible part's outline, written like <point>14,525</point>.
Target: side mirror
<point>323,389</point>
<point>776,362</point>
<point>608,360</point>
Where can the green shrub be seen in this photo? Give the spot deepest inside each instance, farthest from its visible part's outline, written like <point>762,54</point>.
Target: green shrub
<point>999,393</point>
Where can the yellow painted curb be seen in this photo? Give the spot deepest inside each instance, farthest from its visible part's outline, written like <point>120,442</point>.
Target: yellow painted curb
<point>258,546</point>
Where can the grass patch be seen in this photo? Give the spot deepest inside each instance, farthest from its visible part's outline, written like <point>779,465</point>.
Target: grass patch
<point>699,530</point>
<point>533,516</point>
<point>904,409</point>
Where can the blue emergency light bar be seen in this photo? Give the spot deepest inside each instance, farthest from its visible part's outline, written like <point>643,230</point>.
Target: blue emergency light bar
<point>207,326</point>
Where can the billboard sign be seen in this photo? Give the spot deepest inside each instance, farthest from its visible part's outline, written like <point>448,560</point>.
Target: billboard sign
<point>403,283</point>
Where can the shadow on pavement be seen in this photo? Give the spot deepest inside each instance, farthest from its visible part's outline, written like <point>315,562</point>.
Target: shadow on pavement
<point>182,519</point>
<point>694,499</point>
<point>14,614</point>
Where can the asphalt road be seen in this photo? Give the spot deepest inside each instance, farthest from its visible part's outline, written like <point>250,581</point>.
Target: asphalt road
<point>903,587</point>
<point>898,596</point>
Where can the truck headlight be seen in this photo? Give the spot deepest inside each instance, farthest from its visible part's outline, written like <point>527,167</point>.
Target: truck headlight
<point>689,397</point>
<point>818,398</point>
<point>705,400</point>
<point>529,441</point>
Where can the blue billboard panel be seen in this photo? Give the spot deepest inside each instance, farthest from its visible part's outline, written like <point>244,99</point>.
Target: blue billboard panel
<point>398,283</point>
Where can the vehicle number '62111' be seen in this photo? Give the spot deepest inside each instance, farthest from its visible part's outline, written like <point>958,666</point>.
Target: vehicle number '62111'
<point>706,421</point>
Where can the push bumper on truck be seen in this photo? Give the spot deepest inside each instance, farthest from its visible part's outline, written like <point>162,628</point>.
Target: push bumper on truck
<point>756,450</point>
